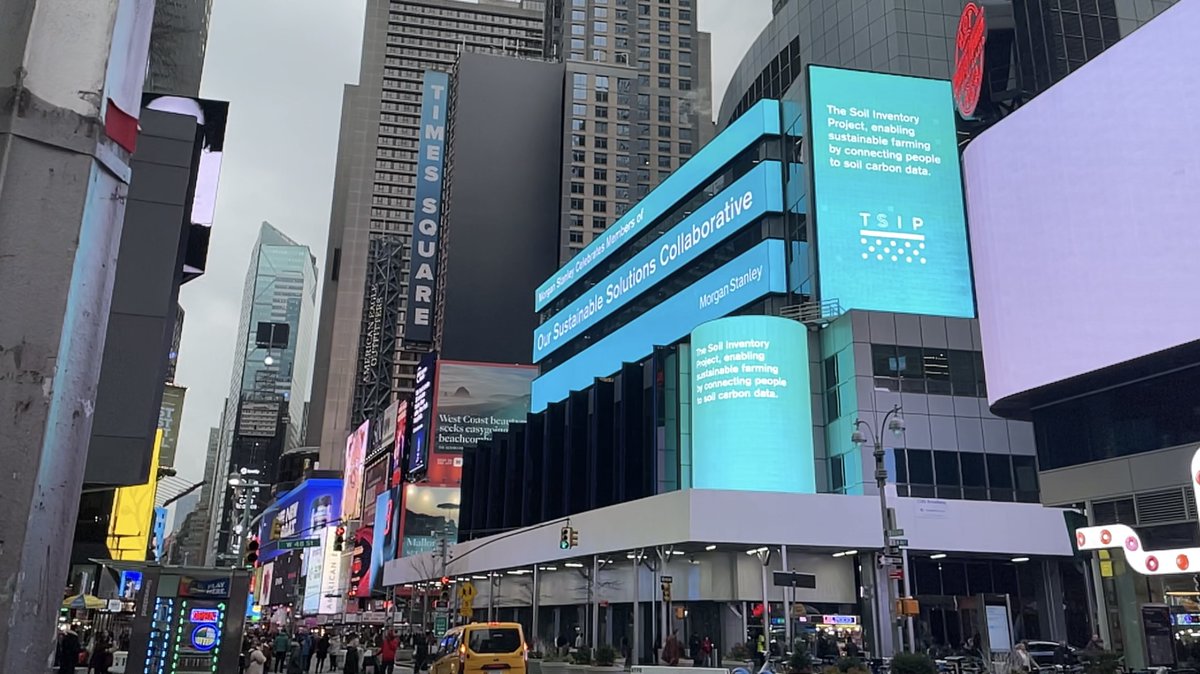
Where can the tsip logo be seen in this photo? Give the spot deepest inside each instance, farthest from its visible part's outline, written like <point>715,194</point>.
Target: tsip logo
<point>888,237</point>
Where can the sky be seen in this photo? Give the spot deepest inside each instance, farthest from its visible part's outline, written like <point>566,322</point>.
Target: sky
<point>282,64</point>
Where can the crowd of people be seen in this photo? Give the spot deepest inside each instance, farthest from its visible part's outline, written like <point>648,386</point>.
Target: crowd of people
<point>371,651</point>
<point>93,650</point>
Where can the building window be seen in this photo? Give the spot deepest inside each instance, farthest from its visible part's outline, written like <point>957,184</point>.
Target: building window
<point>665,69</point>
<point>577,140</point>
<point>578,155</point>
<point>664,132</point>
<point>685,149</point>
<point>837,474</point>
<point>578,109</point>
<point>599,190</point>
<point>664,162</point>
<point>576,237</point>
<point>685,85</point>
<point>601,127</point>
<point>600,142</point>
<point>600,26</point>
<point>599,223</point>
<point>576,220</point>
<point>577,204</point>
<point>602,111</point>
<point>577,29</point>
<point>576,188</point>
<point>600,206</point>
<point>600,174</point>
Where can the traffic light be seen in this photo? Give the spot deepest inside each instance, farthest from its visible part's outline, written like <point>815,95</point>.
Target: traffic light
<point>252,552</point>
<point>574,537</point>
<point>666,592</point>
<point>564,538</point>
<point>339,536</point>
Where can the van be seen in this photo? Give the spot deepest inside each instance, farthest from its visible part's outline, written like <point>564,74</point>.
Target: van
<point>482,648</point>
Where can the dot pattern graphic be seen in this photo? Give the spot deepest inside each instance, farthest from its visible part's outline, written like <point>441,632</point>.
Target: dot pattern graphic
<point>894,250</point>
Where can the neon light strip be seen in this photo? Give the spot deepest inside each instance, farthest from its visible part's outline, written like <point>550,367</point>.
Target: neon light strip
<point>1147,562</point>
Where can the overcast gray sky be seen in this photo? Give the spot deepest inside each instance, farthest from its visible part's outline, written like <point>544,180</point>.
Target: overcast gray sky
<point>282,64</point>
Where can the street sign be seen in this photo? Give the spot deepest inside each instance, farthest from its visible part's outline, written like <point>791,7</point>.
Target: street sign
<point>466,590</point>
<point>297,543</point>
<point>441,623</point>
<point>890,560</point>
<point>793,579</point>
<point>895,532</point>
<point>898,542</point>
<point>666,579</point>
<point>466,608</point>
<point>896,573</point>
<point>441,604</point>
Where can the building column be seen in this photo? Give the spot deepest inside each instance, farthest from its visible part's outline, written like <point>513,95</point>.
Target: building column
<point>1053,616</point>
<point>62,205</point>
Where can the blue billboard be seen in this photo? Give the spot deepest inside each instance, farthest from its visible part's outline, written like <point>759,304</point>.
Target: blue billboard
<point>387,535</point>
<point>760,120</point>
<point>890,228</point>
<point>301,513</point>
<point>422,411</point>
<point>750,197</point>
<point>427,216</point>
<point>748,277</point>
<point>751,406</point>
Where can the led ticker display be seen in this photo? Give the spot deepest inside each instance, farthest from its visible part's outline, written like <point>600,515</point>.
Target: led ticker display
<point>751,406</point>
<point>758,121</point>
<point>204,615</point>
<point>887,193</point>
<point>746,278</point>
<point>753,195</point>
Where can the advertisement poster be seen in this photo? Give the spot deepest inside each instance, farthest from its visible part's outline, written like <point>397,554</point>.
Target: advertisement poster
<point>169,416</point>
<point>890,228</point>
<point>473,401</point>
<point>331,600</point>
<point>401,443</point>
<point>303,512</point>
<point>360,563</point>
<point>314,567</point>
<point>286,579</point>
<point>387,526</point>
<point>425,520</point>
<point>356,453</point>
<point>422,411</point>
<point>375,482</point>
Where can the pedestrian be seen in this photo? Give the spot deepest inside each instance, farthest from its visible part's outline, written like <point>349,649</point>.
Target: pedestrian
<point>1095,645</point>
<point>420,654</point>
<point>295,664</point>
<point>672,650</point>
<point>256,660</point>
<point>1020,660</point>
<point>387,651</point>
<point>68,651</point>
<point>350,666</point>
<point>306,650</point>
<point>322,651</point>
<point>695,651</point>
<point>706,647</point>
<point>282,644</point>
<point>101,655</point>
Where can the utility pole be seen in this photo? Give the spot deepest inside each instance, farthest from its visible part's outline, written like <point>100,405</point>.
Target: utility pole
<point>70,95</point>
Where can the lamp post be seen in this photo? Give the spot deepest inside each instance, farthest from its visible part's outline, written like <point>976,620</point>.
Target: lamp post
<point>863,432</point>
<point>237,482</point>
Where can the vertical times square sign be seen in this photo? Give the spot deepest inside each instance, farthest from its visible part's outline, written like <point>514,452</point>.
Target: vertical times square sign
<point>427,216</point>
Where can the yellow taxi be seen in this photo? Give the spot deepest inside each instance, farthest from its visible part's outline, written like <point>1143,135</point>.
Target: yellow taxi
<point>482,648</point>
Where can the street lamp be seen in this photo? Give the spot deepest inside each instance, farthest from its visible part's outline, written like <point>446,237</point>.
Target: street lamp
<point>863,432</point>
<point>239,483</point>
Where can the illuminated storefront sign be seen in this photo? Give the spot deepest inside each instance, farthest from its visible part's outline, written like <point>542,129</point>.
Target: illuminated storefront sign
<point>751,406</point>
<point>759,121</point>
<point>748,277</point>
<point>750,197</point>
<point>969,58</point>
<point>887,188</point>
<point>1148,562</point>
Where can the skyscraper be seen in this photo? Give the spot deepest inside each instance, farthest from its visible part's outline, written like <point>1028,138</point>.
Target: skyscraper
<point>361,357</point>
<point>265,408</point>
<point>640,82</point>
<point>177,44</point>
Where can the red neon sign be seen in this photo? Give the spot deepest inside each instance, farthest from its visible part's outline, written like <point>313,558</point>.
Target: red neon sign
<point>968,59</point>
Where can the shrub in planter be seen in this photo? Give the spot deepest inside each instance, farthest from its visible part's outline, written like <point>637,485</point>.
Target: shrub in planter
<point>800,661</point>
<point>739,652</point>
<point>582,656</point>
<point>913,663</point>
<point>606,656</point>
<point>849,664</point>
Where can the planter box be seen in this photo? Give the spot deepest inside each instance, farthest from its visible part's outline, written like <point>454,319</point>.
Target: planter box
<point>604,669</point>
<point>533,666</point>
<point>549,667</point>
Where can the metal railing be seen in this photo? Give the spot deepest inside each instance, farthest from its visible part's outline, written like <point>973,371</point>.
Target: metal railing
<point>816,314</point>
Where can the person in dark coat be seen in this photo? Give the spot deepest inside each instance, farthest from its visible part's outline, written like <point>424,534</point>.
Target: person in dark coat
<point>101,655</point>
<point>295,659</point>
<point>68,651</point>
<point>420,654</point>
<point>351,664</point>
<point>322,652</point>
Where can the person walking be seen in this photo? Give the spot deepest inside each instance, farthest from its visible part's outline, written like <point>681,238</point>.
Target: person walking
<point>282,644</point>
<point>420,654</point>
<point>101,655</point>
<point>295,661</point>
<point>706,648</point>
<point>672,650</point>
<point>306,650</point>
<point>256,660</point>
<point>387,652</point>
<point>322,651</point>
<point>350,666</point>
<point>68,651</point>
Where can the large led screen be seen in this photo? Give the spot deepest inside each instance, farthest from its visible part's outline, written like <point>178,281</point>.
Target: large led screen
<point>474,400</point>
<point>750,197</point>
<point>430,513</point>
<point>387,535</point>
<point>356,453</point>
<point>422,414</point>
<point>1083,210</point>
<point>303,512</point>
<point>751,406</point>
<point>887,189</point>
<point>745,279</point>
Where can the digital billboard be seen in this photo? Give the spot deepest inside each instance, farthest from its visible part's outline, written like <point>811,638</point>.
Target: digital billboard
<point>314,567</point>
<point>473,401</point>
<point>170,414</point>
<point>890,231</point>
<point>422,415</point>
<point>745,279</point>
<point>375,481</point>
<point>356,453</point>
<point>331,601</point>
<point>755,194</point>
<point>360,562</point>
<point>401,444</point>
<point>303,512</point>
<point>751,406</point>
<point>758,121</point>
<point>426,234</point>
<point>424,522</point>
<point>387,535</point>
<point>1083,215</point>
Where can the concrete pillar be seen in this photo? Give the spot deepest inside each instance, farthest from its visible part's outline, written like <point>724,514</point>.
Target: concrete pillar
<point>68,79</point>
